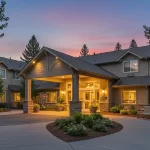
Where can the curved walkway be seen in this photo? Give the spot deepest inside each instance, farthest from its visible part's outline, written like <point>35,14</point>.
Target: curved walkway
<point>134,136</point>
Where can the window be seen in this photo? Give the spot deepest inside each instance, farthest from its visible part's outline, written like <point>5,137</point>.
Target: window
<point>2,98</point>
<point>17,97</point>
<point>129,97</point>
<point>130,66</point>
<point>51,97</point>
<point>15,75</point>
<point>2,73</point>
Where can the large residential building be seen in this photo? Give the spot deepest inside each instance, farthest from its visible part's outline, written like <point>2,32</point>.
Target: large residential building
<point>116,77</point>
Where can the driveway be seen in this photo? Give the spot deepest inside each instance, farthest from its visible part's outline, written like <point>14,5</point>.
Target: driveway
<point>134,136</point>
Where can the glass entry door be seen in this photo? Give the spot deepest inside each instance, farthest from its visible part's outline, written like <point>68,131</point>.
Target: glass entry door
<point>88,97</point>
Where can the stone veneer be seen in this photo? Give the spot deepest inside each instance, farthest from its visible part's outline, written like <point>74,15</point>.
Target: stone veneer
<point>28,106</point>
<point>75,107</point>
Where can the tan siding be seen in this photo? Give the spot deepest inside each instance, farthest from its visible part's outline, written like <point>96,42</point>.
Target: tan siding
<point>49,66</point>
<point>117,68</point>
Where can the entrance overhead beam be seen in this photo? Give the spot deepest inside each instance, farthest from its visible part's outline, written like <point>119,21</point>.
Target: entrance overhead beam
<point>49,79</point>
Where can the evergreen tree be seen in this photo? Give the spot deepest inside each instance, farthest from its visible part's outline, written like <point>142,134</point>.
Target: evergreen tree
<point>84,51</point>
<point>118,47</point>
<point>133,44</point>
<point>3,18</point>
<point>31,49</point>
<point>33,90</point>
<point>147,33</point>
<point>1,86</point>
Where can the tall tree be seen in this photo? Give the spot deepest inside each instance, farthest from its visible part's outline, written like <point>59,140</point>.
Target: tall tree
<point>1,86</point>
<point>84,50</point>
<point>31,49</point>
<point>33,90</point>
<point>118,47</point>
<point>147,33</point>
<point>133,44</point>
<point>3,18</point>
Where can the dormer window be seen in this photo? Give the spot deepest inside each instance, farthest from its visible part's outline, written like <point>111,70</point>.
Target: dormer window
<point>15,75</point>
<point>130,66</point>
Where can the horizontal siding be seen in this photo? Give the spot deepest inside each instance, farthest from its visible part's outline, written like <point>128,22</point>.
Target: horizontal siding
<point>48,66</point>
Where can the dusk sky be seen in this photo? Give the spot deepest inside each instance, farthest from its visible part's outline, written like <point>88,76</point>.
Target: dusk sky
<point>66,25</point>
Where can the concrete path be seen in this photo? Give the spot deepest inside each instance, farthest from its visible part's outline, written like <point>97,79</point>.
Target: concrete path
<point>12,112</point>
<point>134,136</point>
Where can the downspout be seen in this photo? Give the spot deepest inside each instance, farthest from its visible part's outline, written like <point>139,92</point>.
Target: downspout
<point>148,87</point>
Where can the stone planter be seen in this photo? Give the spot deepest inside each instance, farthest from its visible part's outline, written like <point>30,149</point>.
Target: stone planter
<point>93,109</point>
<point>59,108</point>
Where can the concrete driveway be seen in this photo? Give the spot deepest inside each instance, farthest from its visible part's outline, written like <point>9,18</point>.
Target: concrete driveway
<point>134,136</point>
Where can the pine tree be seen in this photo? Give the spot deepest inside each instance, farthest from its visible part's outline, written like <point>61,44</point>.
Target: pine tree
<point>118,47</point>
<point>133,44</point>
<point>1,86</point>
<point>31,49</point>
<point>33,89</point>
<point>147,33</point>
<point>84,51</point>
<point>3,18</point>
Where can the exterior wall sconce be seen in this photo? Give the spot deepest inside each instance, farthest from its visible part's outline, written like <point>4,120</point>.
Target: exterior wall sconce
<point>33,62</point>
<point>62,92</point>
<point>103,91</point>
<point>56,57</point>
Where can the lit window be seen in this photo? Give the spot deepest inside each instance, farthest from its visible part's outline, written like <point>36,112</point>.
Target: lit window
<point>2,73</point>
<point>130,66</point>
<point>129,97</point>
<point>2,98</point>
<point>15,75</point>
<point>17,97</point>
<point>52,97</point>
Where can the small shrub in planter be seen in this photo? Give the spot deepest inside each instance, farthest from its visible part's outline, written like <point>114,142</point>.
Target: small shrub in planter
<point>97,116</point>
<point>99,127</point>
<point>88,121</point>
<point>116,109</point>
<point>77,130</point>
<point>77,117</point>
<point>107,122</point>
<point>124,112</point>
<point>93,108</point>
<point>59,107</point>
<point>36,108</point>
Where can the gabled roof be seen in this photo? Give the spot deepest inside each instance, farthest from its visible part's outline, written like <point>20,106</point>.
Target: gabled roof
<point>76,63</point>
<point>113,56</point>
<point>13,64</point>
<point>132,81</point>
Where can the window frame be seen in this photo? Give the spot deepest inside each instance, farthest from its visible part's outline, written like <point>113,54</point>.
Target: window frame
<point>5,72</point>
<point>15,76</point>
<point>128,97</point>
<point>15,95</point>
<point>130,66</point>
<point>4,98</point>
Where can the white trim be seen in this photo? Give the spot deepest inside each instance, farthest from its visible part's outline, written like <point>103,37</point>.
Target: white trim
<point>5,73</point>
<point>128,98</point>
<point>130,66</point>
<point>4,64</point>
<point>128,52</point>
<point>15,78</point>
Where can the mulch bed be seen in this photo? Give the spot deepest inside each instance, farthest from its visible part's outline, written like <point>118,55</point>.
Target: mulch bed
<point>117,114</point>
<point>60,134</point>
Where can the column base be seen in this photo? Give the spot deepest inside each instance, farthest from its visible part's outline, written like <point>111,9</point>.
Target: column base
<point>75,107</point>
<point>27,107</point>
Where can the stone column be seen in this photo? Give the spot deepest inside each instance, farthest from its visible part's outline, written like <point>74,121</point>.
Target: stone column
<point>28,103</point>
<point>75,104</point>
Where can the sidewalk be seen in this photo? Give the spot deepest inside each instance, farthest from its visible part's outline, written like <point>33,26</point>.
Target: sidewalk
<point>12,112</point>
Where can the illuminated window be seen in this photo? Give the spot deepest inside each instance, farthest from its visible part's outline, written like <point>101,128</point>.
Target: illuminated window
<point>129,97</point>
<point>2,98</point>
<point>130,66</point>
<point>17,97</point>
<point>52,97</point>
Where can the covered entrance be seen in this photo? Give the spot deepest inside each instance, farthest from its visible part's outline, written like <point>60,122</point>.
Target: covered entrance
<point>81,83</point>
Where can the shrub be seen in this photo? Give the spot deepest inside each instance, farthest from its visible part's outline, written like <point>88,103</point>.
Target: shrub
<point>88,121</point>
<point>4,105</point>
<point>77,130</point>
<point>99,127</point>
<point>36,106</point>
<point>124,112</point>
<point>107,122</point>
<point>77,117</point>
<point>116,109</point>
<point>19,105</point>
<point>97,116</point>
<point>133,111</point>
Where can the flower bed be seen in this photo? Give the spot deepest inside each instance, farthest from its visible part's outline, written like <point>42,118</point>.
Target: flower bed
<point>82,127</point>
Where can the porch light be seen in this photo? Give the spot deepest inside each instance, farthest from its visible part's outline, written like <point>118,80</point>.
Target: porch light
<point>63,77</point>
<point>33,61</point>
<point>103,91</point>
<point>62,92</point>
<point>56,57</point>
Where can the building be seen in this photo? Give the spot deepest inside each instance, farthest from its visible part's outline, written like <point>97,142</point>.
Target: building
<point>116,77</point>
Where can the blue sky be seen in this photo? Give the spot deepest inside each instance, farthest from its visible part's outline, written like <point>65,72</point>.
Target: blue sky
<point>66,25</point>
